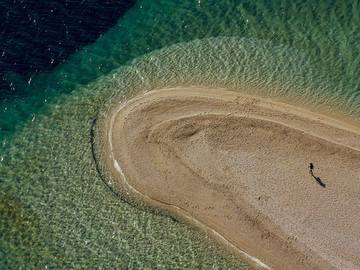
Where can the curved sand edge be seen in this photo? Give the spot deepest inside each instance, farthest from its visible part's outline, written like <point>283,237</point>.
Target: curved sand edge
<point>256,229</point>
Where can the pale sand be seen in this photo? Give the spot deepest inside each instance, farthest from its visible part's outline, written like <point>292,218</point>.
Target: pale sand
<point>237,167</point>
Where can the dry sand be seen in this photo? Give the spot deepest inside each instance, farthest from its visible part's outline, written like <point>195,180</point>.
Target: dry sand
<point>238,167</point>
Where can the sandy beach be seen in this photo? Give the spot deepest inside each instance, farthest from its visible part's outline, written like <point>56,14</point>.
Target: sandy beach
<point>238,167</point>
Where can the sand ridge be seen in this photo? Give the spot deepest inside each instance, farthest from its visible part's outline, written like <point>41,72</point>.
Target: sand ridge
<point>237,166</point>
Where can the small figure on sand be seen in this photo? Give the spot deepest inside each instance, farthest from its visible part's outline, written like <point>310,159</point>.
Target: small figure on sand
<point>318,179</point>
<point>311,167</point>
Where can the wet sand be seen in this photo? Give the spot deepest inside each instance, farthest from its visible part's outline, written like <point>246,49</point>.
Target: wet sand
<point>237,167</point>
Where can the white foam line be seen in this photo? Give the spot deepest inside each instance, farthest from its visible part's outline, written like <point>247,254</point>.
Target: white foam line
<point>257,261</point>
<point>118,168</point>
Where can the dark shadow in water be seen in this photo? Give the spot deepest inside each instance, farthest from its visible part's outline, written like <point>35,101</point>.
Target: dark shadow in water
<point>318,179</point>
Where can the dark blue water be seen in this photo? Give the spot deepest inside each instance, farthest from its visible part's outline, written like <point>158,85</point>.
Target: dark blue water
<point>36,36</point>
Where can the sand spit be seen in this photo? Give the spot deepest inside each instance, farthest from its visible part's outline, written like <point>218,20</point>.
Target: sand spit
<point>238,167</point>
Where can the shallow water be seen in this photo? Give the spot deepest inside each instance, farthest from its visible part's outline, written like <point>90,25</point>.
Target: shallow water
<point>56,211</point>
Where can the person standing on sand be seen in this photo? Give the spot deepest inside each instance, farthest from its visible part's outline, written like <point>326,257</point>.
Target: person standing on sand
<point>311,167</point>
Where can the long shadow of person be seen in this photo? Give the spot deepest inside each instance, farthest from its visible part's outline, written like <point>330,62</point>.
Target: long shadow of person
<point>321,183</point>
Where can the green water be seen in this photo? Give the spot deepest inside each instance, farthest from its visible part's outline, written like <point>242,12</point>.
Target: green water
<point>55,210</point>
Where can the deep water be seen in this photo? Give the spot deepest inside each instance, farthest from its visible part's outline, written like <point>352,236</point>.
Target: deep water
<point>36,36</point>
<point>55,210</point>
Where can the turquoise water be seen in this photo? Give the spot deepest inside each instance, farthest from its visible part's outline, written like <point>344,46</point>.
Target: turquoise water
<point>56,212</point>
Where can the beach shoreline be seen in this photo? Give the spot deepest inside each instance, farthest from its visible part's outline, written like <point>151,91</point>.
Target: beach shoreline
<point>151,139</point>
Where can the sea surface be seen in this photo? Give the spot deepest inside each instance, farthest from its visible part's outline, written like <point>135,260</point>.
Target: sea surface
<point>55,210</point>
